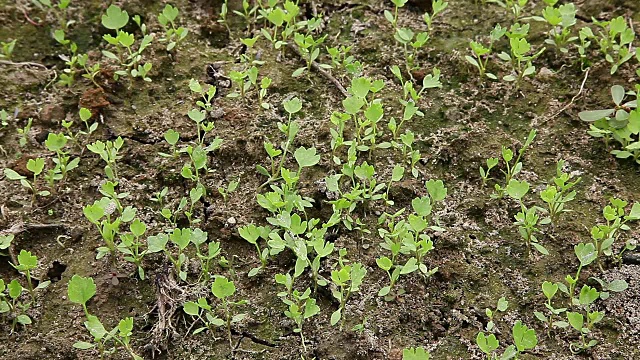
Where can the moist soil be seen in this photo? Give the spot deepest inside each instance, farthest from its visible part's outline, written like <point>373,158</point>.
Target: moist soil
<point>480,255</point>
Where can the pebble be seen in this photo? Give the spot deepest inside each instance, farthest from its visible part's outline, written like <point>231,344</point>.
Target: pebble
<point>231,221</point>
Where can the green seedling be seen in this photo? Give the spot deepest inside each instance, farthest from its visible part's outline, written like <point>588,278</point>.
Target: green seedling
<point>341,60</point>
<point>290,130</point>
<point>7,49</point>
<point>588,295</point>
<point>24,133</point>
<point>405,36</point>
<point>559,193</point>
<point>527,219</point>
<point>301,306</point>
<point>5,242</point>
<point>515,7</point>
<point>501,307</point>
<point>387,265</point>
<point>519,57</point>
<point>418,353</point>
<point>347,279</point>
<point>224,11</point>
<point>171,137</point>
<point>108,152</point>
<point>231,187</point>
<point>438,6</point>
<point>129,60</point>
<point>561,19</point>
<point>586,254</point>
<point>524,339</point>
<point>107,214</point>
<point>131,245</point>
<point>63,162</point>
<point>173,35</point>
<point>12,306</point>
<point>4,118</point>
<point>248,13</point>
<point>80,291</point>
<point>615,40</point>
<point>222,289</point>
<point>549,290</point>
<point>199,238</point>
<point>605,235</point>
<point>484,173</point>
<point>621,123</point>
<point>35,166</point>
<point>482,54</point>
<point>208,94</point>
<point>430,81</point>
<point>309,48</point>
<point>26,263</point>
<point>181,238</point>
<point>393,18</point>
<point>252,234</point>
<point>512,169</point>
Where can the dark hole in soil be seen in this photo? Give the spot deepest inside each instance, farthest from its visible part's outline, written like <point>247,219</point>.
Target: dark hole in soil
<point>55,271</point>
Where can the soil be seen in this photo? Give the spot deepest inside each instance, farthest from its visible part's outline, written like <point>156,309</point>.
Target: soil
<point>480,256</point>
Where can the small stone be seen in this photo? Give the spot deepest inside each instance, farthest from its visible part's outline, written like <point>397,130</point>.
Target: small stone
<point>231,221</point>
<point>545,73</point>
<point>52,114</point>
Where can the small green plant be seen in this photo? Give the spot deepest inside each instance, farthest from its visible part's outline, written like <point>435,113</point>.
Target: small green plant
<point>301,306</point>
<point>7,49</point>
<point>12,306</point>
<point>549,290</point>
<point>621,123</point>
<point>252,234</point>
<point>511,169</point>
<point>501,307</point>
<point>615,40</point>
<point>129,60</point>
<point>393,17</point>
<point>576,319</point>
<point>481,54</point>
<point>80,290</point>
<point>108,152</point>
<point>26,263</point>
<point>559,193</point>
<point>222,289</point>
<point>418,353</point>
<point>231,187</point>
<point>309,48</point>
<point>527,219</point>
<point>604,236</point>
<point>524,339</point>
<point>519,57</point>
<point>5,242</point>
<point>36,166</point>
<point>515,7</point>
<point>4,118</point>
<point>24,133</point>
<point>561,19</point>
<point>173,35</point>
<point>438,6</point>
<point>347,279</point>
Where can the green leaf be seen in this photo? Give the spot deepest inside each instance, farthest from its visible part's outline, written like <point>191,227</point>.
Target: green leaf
<point>35,165</point>
<point>83,345</point>
<point>306,157</point>
<point>517,189</point>
<point>418,353</point>
<point>12,175</point>
<point>384,263</point>
<point>115,18</point>
<point>222,287</point>
<point>487,344</point>
<point>15,289</point>
<point>26,261</point>
<point>576,320</point>
<point>335,317</point>
<point>137,227</point>
<point>586,253</point>
<point>595,115</point>
<point>524,337</point>
<point>81,289</point>
<point>617,94</point>
<point>292,105</point>
<point>436,189</point>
